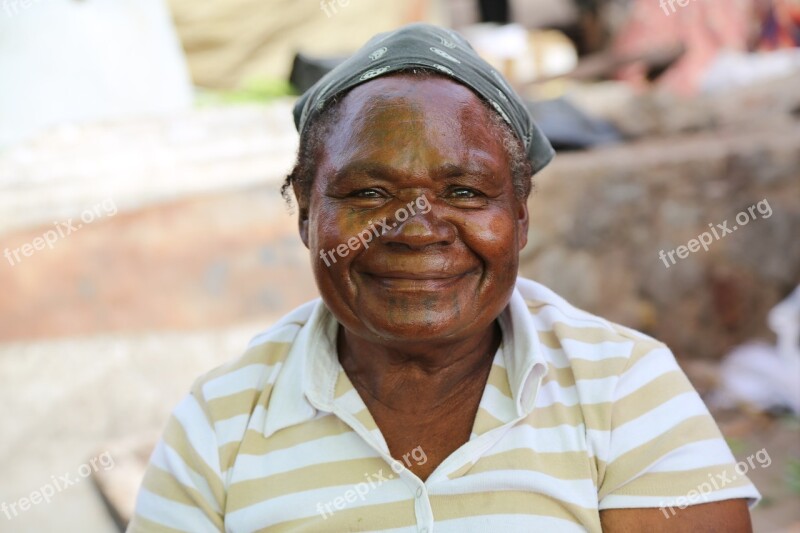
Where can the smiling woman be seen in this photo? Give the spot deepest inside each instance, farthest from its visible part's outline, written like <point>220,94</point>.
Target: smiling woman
<point>532,415</point>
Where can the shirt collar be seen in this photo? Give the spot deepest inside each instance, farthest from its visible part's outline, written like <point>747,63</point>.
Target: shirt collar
<point>306,383</point>
<point>522,352</point>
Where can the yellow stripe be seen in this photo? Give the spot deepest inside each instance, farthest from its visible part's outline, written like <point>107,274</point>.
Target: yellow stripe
<point>268,353</point>
<point>373,517</point>
<point>561,465</point>
<point>331,474</point>
<point>366,419</point>
<point>588,335</point>
<point>241,403</point>
<point>254,442</point>
<point>643,348</point>
<point>550,339</point>
<point>634,335</point>
<point>680,483</point>
<point>650,396</point>
<point>513,502</point>
<point>343,385</point>
<point>591,415</point>
<point>461,471</point>
<point>498,378</point>
<point>485,421</point>
<point>227,455</point>
<point>536,306</point>
<point>582,369</point>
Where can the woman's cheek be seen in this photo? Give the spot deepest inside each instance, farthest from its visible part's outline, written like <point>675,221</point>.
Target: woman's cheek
<point>332,228</point>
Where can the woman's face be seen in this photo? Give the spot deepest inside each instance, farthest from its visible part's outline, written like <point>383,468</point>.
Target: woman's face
<point>412,222</point>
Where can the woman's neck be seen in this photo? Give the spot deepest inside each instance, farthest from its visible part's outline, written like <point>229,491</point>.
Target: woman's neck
<point>416,378</point>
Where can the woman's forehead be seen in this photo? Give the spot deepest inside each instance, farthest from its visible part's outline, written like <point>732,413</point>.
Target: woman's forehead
<point>411,121</point>
<point>409,102</point>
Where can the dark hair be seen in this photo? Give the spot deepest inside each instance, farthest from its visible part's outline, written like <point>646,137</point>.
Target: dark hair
<point>317,130</point>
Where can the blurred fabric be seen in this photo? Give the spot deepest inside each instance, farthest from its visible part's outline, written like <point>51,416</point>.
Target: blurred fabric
<point>703,27</point>
<point>66,61</point>
<point>230,42</point>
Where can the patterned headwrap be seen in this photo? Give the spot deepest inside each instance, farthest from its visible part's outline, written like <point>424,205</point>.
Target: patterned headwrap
<point>439,49</point>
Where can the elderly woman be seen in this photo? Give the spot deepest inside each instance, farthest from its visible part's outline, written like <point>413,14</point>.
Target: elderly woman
<point>430,388</point>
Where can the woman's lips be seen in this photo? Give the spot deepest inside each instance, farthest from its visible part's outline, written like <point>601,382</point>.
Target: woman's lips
<point>415,281</point>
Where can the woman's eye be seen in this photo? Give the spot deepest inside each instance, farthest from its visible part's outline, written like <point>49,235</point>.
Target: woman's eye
<point>464,193</point>
<point>367,193</point>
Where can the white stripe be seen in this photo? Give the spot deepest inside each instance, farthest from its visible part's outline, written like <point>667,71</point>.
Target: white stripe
<point>198,431</point>
<point>498,404</point>
<point>580,492</point>
<point>622,502</point>
<point>654,365</point>
<point>232,429</point>
<point>301,505</point>
<point>585,392</point>
<point>596,351</point>
<point>562,438</point>
<point>345,447</point>
<point>597,442</point>
<point>552,313</point>
<point>557,358</point>
<point>655,422</point>
<point>350,401</point>
<point>508,522</point>
<point>711,454</point>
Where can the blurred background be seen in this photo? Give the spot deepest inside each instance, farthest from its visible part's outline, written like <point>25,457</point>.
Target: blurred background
<point>144,239</point>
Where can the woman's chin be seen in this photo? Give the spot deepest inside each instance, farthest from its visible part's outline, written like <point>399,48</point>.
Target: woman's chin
<point>414,325</point>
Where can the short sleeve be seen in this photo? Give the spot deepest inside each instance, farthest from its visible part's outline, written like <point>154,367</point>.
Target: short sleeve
<point>664,449</point>
<point>182,489</point>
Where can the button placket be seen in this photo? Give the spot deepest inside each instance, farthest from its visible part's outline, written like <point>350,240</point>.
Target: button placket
<point>422,507</point>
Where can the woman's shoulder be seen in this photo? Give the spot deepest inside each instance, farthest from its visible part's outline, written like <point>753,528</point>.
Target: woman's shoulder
<point>568,333</point>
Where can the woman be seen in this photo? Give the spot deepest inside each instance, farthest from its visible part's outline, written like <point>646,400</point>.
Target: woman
<point>430,387</point>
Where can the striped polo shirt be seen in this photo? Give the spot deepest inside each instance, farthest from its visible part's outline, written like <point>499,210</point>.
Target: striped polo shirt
<point>578,415</point>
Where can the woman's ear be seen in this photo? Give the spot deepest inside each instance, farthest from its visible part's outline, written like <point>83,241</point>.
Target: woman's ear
<point>522,222</point>
<point>302,216</point>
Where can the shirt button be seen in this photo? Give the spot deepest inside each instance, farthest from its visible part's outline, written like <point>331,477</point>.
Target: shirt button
<point>419,495</point>
<point>423,530</point>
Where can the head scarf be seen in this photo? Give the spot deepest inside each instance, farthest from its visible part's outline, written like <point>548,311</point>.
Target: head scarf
<point>434,48</point>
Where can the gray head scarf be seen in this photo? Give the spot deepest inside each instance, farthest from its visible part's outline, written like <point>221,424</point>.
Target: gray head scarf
<point>424,45</point>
